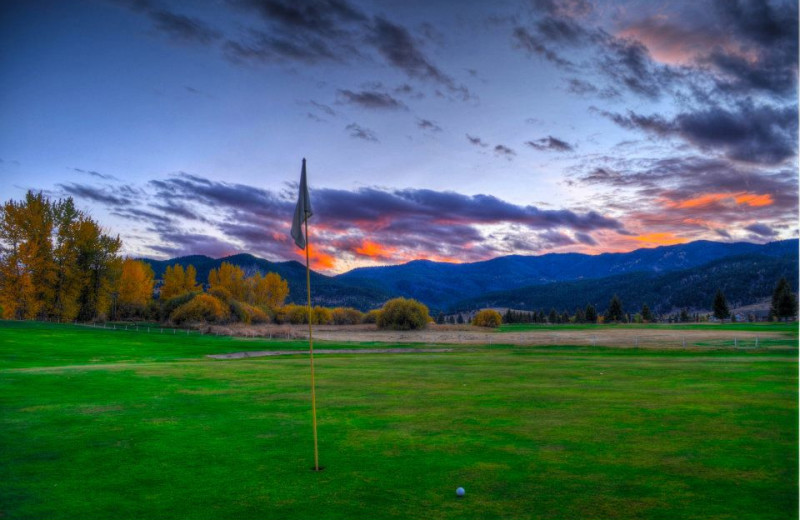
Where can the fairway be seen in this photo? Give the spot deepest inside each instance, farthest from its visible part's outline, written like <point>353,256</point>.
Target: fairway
<point>115,424</point>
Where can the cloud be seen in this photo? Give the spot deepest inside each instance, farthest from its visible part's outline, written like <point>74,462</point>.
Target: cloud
<point>585,238</point>
<point>372,100</point>
<point>397,46</point>
<point>550,143</point>
<point>762,230</point>
<point>123,196</point>
<point>533,45</point>
<point>476,141</point>
<point>183,28</point>
<point>426,124</point>
<point>103,176</point>
<point>359,132</point>
<point>504,151</point>
<point>754,134</point>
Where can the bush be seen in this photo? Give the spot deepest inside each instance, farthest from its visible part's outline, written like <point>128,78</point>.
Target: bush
<point>403,314</point>
<point>203,307</point>
<point>347,316</point>
<point>294,314</point>
<point>221,293</point>
<point>169,306</point>
<point>371,316</point>
<point>487,318</point>
<point>323,316</point>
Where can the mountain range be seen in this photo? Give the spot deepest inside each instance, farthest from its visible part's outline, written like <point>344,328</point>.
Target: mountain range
<point>667,277</point>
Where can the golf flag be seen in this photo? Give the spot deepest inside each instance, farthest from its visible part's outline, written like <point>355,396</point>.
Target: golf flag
<point>302,211</point>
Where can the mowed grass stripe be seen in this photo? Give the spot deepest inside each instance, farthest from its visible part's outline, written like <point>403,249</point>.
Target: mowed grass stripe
<point>529,436</point>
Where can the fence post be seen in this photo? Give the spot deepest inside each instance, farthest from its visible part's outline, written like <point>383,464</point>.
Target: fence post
<point>756,341</point>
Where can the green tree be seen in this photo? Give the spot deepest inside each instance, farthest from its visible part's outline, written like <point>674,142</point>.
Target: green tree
<point>553,316</point>
<point>591,314</point>
<point>440,318</point>
<point>647,316</point>
<point>784,301</point>
<point>684,315</point>
<point>614,313</point>
<point>720,306</point>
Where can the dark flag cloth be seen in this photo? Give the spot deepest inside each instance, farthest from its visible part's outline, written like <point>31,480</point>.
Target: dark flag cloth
<point>302,211</point>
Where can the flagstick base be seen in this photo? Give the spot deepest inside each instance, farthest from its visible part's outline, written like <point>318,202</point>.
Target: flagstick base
<point>321,468</point>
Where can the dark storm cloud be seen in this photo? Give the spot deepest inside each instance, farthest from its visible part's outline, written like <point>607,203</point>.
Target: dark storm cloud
<point>372,100</point>
<point>426,124</point>
<point>504,151</point>
<point>359,132</point>
<point>550,143</point>
<point>476,141</point>
<point>755,134</point>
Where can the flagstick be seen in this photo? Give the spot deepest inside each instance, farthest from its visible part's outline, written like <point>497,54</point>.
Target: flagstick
<point>311,350</point>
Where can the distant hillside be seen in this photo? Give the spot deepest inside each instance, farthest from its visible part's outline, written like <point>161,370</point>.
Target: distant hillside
<point>441,285</point>
<point>325,290</point>
<point>744,280</point>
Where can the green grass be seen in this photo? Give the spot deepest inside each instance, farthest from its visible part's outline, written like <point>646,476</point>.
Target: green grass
<point>789,328</point>
<point>158,431</point>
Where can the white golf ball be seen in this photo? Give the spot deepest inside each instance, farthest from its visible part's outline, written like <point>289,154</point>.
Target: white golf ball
<point>460,492</point>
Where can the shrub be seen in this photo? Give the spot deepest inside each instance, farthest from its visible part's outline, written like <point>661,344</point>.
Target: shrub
<point>403,314</point>
<point>169,306</point>
<point>371,316</point>
<point>347,316</point>
<point>250,313</point>
<point>294,314</point>
<point>221,293</point>
<point>323,316</point>
<point>487,318</point>
<point>203,307</point>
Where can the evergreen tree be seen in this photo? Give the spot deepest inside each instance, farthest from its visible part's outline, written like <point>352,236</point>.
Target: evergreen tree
<point>553,316</point>
<point>580,316</point>
<point>591,314</point>
<point>440,318</point>
<point>784,301</point>
<point>720,306</point>
<point>565,317</point>
<point>460,319</point>
<point>647,316</point>
<point>684,315</point>
<point>615,312</point>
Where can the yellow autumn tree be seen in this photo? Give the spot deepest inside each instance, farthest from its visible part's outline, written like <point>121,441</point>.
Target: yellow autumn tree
<point>179,281</point>
<point>230,278</point>
<point>135,289</point>
<point>270,290</point>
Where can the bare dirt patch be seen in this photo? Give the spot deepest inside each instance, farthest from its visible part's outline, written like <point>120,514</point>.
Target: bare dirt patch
<point>652,337</point>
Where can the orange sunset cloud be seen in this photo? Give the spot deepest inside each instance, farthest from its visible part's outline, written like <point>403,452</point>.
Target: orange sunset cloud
<point>742,197</point>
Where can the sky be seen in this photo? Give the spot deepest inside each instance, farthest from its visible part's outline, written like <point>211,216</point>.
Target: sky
<point>453,131</point>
